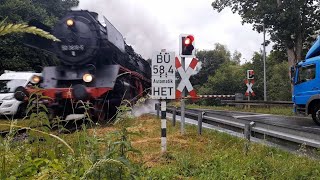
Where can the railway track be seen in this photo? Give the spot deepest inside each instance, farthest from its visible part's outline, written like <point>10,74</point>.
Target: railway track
<point>291,132</point>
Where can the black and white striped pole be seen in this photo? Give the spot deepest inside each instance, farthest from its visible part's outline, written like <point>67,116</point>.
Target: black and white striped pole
<point>163,126</point>
<point>163,82</point>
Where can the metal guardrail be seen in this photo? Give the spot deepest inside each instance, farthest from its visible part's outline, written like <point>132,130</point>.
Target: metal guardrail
<point>257,103</point>
<point>276,131</point>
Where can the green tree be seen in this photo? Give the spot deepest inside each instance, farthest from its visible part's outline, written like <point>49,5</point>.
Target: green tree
<point>236,57</point>
<point>45,11</point>
<point>228,79</point>
<point>279,88</point>
<point>13,54</point>
<point>290,24</point>
<point>211,60</point>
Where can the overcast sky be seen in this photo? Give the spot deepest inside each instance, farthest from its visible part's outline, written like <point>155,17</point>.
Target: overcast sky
<point>152,25</point>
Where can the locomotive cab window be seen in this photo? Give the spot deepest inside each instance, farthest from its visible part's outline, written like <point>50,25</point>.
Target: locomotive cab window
<point>306,73</point>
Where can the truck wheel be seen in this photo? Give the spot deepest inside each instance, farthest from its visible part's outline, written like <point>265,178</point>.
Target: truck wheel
<point>316,114</point>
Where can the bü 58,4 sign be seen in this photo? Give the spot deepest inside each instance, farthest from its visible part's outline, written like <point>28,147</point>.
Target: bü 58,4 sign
<point>163,76</point>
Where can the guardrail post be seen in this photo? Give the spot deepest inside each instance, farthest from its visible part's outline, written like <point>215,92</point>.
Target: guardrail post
<point>247,135</point>
<point>200,117</point>
<point>248,130</point>
<point>174,113</point>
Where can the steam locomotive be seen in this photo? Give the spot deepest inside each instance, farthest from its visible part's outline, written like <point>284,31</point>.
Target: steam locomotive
<point>97,66</point>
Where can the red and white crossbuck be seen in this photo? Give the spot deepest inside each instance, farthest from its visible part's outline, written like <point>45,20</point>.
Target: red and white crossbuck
<point>249,89</point>
<point>185,75</point>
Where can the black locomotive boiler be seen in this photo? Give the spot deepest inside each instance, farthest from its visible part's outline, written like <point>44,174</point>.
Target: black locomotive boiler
<point>96,66</point>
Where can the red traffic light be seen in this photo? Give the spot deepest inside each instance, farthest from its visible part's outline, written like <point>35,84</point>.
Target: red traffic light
<point>188,40</point>
<point>186,45</point>
<point>250,74</point>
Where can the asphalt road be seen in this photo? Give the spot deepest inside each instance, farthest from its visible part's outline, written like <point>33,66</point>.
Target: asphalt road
<point>289,121</point>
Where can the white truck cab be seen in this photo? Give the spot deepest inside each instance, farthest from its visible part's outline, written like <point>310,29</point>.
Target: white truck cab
<point>9,81</point>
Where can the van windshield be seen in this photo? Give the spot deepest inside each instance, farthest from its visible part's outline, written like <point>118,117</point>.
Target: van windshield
<point>8,86</point>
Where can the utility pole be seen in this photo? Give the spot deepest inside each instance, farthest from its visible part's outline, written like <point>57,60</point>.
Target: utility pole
<point>264,62</point>
<point>186,49</point>
<point>183,101</point>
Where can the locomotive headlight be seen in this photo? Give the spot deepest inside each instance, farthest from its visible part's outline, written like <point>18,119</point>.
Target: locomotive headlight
<point>70,22</point>
<point>87,78</point>
<point>35,79</point>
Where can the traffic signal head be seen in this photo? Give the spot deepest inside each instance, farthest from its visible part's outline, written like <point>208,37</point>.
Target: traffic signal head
<point>250,74</point>
<point>187,46</point>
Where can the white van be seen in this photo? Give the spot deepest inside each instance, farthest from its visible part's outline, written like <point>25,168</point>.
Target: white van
<point>9,81</point>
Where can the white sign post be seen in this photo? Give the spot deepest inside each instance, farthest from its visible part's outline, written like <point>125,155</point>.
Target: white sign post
<point>163,87</point>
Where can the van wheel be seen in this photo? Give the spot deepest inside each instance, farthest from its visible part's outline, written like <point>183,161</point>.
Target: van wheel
<point>316,114</point>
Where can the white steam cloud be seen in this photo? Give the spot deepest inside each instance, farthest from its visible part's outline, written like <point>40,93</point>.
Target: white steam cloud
<point>147,107</point>
<point>152,25</point>
<point>135,22</point>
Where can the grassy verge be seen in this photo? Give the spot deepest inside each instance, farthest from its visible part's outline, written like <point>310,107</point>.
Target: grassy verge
<point>18,122</point>
<point>212,156</point>
<point>111,153</point>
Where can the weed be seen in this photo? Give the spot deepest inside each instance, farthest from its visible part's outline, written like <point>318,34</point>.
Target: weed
<point>92,154</point>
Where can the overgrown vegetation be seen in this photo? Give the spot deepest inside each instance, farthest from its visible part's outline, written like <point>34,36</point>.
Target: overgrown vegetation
<point>130,149</point>
<point>42,153</point>
<point>23,28</point>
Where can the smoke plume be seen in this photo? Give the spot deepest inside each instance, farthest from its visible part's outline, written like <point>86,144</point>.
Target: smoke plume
<point>147,107</point>
<point>136,23</point>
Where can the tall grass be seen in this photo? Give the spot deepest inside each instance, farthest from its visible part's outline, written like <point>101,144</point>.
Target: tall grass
<point>215,155</point>
<point>45,154</point>
<point>130,149</point>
